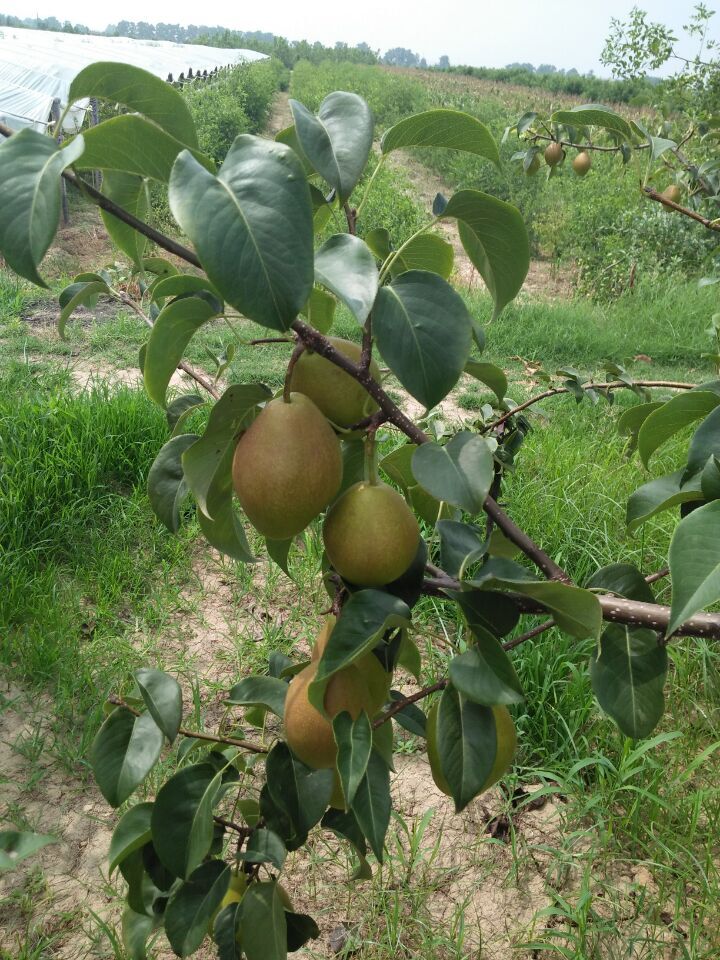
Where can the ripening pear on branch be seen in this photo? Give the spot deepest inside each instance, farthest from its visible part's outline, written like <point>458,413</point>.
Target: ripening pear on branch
<point>308,733</point>
<point>287,467</point>
<point>371,535</point>
<point>673,192</point>
<point>582,163</point>
<point>340,397</point>
<point>554,154</point>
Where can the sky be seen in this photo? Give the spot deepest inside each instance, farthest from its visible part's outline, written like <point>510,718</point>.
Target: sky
<point>567,33</point>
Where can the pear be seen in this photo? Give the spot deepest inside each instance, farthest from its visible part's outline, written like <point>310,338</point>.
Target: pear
<point>673,193</point>
<point>371,535</point>
<point>308,733</point>
<point>506,746</point>
<point>287,467</point>
<point>338,395</point>
<point>378,680</point>
<point>553,154</point>
<point>582,163</point>
<point>533,166</point>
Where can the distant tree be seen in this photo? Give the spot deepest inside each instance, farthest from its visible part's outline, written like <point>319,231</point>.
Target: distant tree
<point>444,62</point>
<point>401,57</point>
<point>546,68</point>
<point>521,66</point>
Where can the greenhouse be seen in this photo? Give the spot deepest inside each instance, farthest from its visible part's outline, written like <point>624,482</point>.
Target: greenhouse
<point>38,66</point>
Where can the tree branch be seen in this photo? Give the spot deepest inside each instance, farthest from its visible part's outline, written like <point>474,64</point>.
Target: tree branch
<point>671,205</point>
<point>590,385</point>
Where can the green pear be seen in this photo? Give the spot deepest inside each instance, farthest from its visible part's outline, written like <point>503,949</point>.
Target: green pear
<point>553,154</point>
<point>371,535</point>
<point>287,467</point>
<point>340,397</point>
<point>582,163</point>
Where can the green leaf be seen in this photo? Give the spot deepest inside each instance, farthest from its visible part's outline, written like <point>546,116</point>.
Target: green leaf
<point>320,310</point>
<point>346,267</point>
<point>410,717</point>
<point>300,929</point>
<point>623,579</point>
<point>223,528</point>
<point>231,414</point>
<point>467,745</point>
<point>130,193</point>
<point>123,753</point>
<point>667,420</point>
<point>694,561</point>
<point>289,137</point>
<point>495,238</point>
<point>363,620</point>
<point>595,115</point>
<point>264,846</point>
<point>251,227</point>
<point>166,482</point>
<point>398,465</point>
<point>658,146</point>
<point>16,846</point>
<point>83,293</point>
<point>338,140</point>
<point>490,375</point>
<point>425,252</point>
<point>139,91</point>
<point>378,240</point>
<point>182,819</point>
<point>354,740</point>
<point>136,929</point>
<point>660,494</point>
<point>192,905</point>
<point>278,551</point>
<point>710,479</point>
<point>485,674</point>
<point>181,408</point>
<point>575,610</point>
<point>632,419</point>
<point>300,793</point>
<point>424,332</point>
<point>267,691</point>
<point>175,326</point>
<point>180,284</point>
<point>263,928</point>
<point>226,934</point>
<point>461,472</point>
<point>163,699</point>
<point>461,545</point>
<point>152,154</point>
<point>442,128</point>
<point>131,834</point>
<point>627,675</point>
<point>30,169</point>
<point>705,443</point>
<point>372,803</point>
<point>488,612</point>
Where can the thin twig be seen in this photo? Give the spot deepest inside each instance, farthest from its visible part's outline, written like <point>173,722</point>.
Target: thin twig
<point>413,698</point>
<point>658,575</point>
<point>671,205</point>
<point>528,546</point>
<point>529,634</point>
<point>231,825</point>
<point>196,734</point>
<point>255,343</point>
<point>299,348</point>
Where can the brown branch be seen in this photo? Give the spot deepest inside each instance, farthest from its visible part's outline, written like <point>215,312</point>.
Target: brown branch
<point>590,385</point>
<point>582,146</point>
<point>671,205</point>
<point>399,705</point>
<point>196,734</point>
<point>371,422</point>
<point>255,343</point>
<point>658,575</point>
<point>529,634</point>
<point>528,546</point>
<point>367,344</point>
<point>231,825</point>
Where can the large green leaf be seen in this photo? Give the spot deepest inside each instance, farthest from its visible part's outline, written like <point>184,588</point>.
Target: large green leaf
<point>372,803</point>
<point>123,753</point>
<point>595,115</point>
<point>424,332</point>
<point>81,293</point>
<point>461,472</point>
<point>263,928</point>
<point>136,929</point>
<point>175,326</point>
<point>346,267</point>
<point>667,420</point>
<point>466,744</point>
<point>624,579</point>
<point>320,309</point>
<point>490,375</point>
<point>338,140</point>
<point>266,691</point>
<point>660,494</point>
<point>182,818</point>
<point>221,525</point>
<point>632,419</point>
<point>251,227</point>
<point>484,674</point>
<point>495,238</point>
<point>488,612</point>
<point>191,906</point>
<point>705,443</point>
<point>363,620</point>
<point>301,793</point>
<point>461,545</point>
<point>354,741</point>
<point>166,482</point>
<point>139,91</point>
<point>131,193</point>
<point>30,169</point>
<point>16,846</point>
<point>132,144</point>
<point>627,675</point>
<point>427,251</point>
<point>228,416</point>
<point>131,834</point>
<point>442,128</point>
<point>163,698</point>
<point>695,564</point>
<point>264,846</point>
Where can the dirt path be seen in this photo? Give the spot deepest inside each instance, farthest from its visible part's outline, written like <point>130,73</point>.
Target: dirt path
<point>281,115</point>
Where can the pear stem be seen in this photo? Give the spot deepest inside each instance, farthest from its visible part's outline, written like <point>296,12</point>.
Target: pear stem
<point>371,473</point>
<point>299,347</point>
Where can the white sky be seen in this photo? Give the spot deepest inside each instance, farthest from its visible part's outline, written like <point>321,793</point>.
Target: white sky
<point>567,33</point>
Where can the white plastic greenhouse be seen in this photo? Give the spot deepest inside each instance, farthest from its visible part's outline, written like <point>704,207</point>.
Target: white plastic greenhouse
<point>37,68</point>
